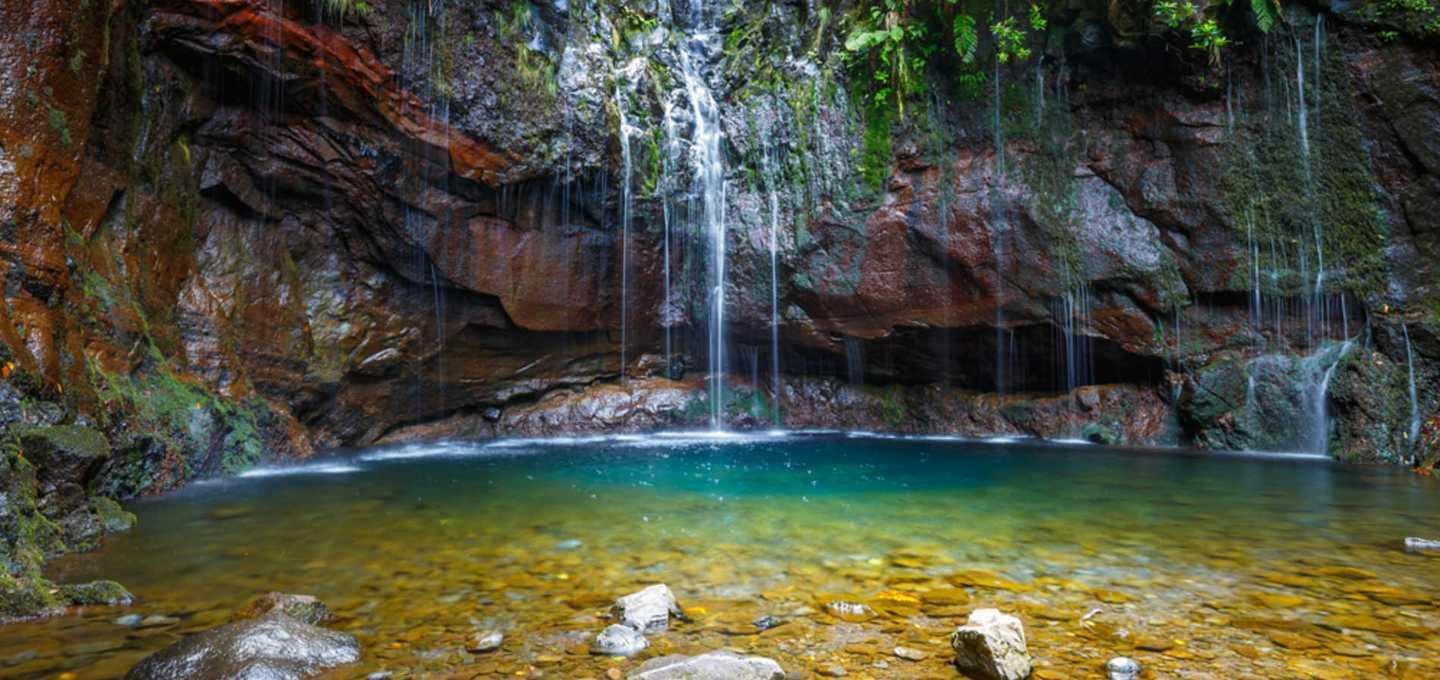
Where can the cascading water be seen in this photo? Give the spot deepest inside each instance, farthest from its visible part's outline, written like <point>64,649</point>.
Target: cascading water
<point>1319,368</point>
<point>1072,316</point>
<point>997,211</point>
<point>772,182</point>
<point>1414,433</point>
<point>625,210</point>
<point>708,185</point>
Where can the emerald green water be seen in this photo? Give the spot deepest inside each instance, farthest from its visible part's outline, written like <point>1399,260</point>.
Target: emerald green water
<point>1198,565</point>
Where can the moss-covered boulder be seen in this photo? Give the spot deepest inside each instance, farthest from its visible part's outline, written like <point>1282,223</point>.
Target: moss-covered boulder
<point>36,526</point>
<point>64,453</point>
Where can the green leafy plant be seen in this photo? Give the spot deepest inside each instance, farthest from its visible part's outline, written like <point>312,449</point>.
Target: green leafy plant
<point>1267,13</point>
<point>1009,40</point>
<point>340,9</point>
<point>897,44</point>
<point>966,39</point>
<point>1207,37</point>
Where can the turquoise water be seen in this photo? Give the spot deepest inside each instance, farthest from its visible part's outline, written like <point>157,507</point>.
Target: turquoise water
<point>1200,565</point>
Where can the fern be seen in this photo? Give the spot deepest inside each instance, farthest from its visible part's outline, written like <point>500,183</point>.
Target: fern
<point>966,39</point>
<point>1266,13</point>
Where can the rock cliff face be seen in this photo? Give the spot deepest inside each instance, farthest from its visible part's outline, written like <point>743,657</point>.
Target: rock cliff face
<point>243,229</point>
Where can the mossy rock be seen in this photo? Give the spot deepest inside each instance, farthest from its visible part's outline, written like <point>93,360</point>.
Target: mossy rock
<point>99,593</point>
<point>23,598</point>
<point>113,518</point>
<point>1101,433</point>
<point>64,453</point>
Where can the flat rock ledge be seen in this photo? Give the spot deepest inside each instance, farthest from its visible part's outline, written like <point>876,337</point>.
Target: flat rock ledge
<point>991,646</point>
<point>710,666</point>
<point>273,646</point>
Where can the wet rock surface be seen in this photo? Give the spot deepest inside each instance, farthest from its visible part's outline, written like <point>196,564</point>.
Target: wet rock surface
<point>619,640</point>
<point>649,610</point>
<point>381,214</point>
<point>991,646</point>
<point>303,608</point>
<point>711,666</point>
<point>274,646</point>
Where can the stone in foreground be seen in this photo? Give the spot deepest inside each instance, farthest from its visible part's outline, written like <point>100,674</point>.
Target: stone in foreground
<point>991,646</point>
<point>1416,545</point>
<point>274,647</point>
<point>618,640</point>
<point>711,666</point>
<point>649,610</point>
<point>1122,668</point>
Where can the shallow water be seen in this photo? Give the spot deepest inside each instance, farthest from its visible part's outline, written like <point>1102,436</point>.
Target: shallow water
<point>1198,565</point>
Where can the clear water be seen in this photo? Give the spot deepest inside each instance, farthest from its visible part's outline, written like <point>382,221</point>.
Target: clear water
<point>1198,565</point>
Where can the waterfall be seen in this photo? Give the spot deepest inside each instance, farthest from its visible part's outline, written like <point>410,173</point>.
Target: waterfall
<point>1317,71</point>
<point>626,201</point>
<point>855,360</point>
<point>1317,388</point>
<point>667,171</point>
<point>772,182</point>
<point>708,164</point>
<point>1072,315</point>
<point>998,242</point>
<point>1414,398</point>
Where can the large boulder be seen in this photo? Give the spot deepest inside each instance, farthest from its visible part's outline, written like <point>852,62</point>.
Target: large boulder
<point>991,646</point>
<point>711,666</point>
<point>649,610</point>
<point>64,454</point>
<point>273,647</point>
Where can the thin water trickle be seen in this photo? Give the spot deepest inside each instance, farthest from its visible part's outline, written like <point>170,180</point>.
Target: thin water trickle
<point>625,209</point>
<point>772,184</point>
<point>1414,397</point>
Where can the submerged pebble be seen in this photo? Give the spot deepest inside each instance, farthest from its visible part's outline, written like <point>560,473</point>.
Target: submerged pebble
<point>1122,668</point>
<point>486,641</point>
<point>767,622</point>
<point>157,621</point>
<point>130,620</point>
<point>1413,544</point>
<point>618,640</point>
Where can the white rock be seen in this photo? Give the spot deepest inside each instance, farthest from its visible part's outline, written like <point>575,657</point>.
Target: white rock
<point>649,610</point>
<point>711,666</point>
<point>618,640</point>
<point>1413,544</point>
<point>991,646</point>
<point>1122,668</point>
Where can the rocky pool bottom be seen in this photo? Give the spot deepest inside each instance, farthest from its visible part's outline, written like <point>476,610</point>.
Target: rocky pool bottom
<point>1196,565</point>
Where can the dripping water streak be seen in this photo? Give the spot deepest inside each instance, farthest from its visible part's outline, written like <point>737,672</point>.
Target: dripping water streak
<point>1414,397</point>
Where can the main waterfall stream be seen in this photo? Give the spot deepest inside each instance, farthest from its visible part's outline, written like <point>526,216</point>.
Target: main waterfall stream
<point>1206,565</point>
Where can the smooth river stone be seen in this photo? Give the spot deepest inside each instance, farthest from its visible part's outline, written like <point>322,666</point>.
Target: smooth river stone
<point>1421,545</point>
<point>618,640</point>
<point>711,666</point>
<point>274,647</point>
<point>1122,668</point>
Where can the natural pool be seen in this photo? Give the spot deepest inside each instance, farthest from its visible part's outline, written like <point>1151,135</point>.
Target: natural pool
<point>1198,565</point>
